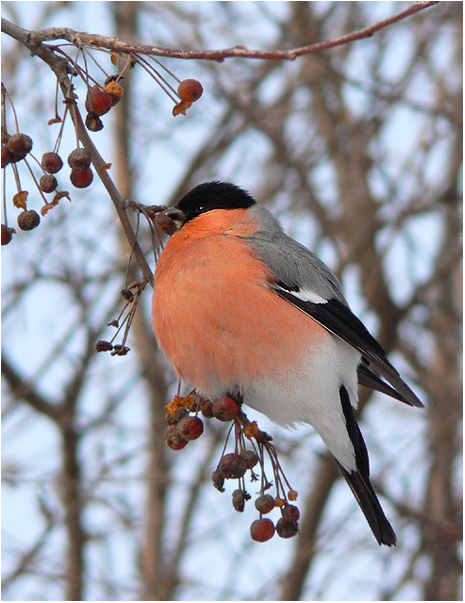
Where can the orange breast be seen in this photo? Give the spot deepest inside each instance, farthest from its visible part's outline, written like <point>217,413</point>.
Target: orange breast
<point>214,315</point>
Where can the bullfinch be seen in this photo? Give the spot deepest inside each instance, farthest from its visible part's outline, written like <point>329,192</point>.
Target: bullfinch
<point>240,309</point>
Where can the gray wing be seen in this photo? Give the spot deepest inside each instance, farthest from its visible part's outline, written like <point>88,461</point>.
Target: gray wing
<point>305,281</point>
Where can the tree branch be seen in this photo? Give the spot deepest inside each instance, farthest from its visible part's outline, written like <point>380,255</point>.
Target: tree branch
<point>240,51</point>
<point>62,68</point>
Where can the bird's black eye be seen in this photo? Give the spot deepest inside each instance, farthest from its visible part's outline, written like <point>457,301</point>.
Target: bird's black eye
<point>201,208</point>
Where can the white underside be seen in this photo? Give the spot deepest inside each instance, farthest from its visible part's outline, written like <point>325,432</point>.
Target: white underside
<point>309,393</point>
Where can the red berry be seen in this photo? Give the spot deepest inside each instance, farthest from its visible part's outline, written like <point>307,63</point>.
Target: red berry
<point>52,162</point>
<point>190,90</point>
<point>286,529</point>
<point>7,234</point>
<point>290,513</point>
<point>98,101</point>
<point>225,409</point>
<point>28,219</point>
<point>190,428</point>
<point>81,179</point>
<point>48,183</point>
<point>6,155</point>
<point>93,122</point>
<point>19,145</point>
<point>231,466</point>
<point>262,530</point>
<point>265,503</point>
<point>174,439</point>
<point>79,159</point>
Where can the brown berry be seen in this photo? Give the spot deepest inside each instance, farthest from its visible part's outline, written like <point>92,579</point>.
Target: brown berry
<point>290,513</point>
<point>174,439</point>
<point>6,155</point>
<point>81,179</point>
<point>218,480</point>
<point>250,457</point>
<point>265,503</point>
<point>103,346</point>
<point>166,224</point>
<point>79,159</point>
<point>238,499</point>
<point>93,122</point>
<point>286,529</point>
<point>7,234</point>
<point>48,183</point>
<point>206,408</point>
<point>190,90</point>
<point>231,466</point>
<point>114,89</point>
<point>28,219</point>
<point>190,428</point>
<point>98,101</point>
<point>52,162</point>
<point>176,416</point>
<point>262,530</point>
<point>225,409</point>
<point>19,145</point>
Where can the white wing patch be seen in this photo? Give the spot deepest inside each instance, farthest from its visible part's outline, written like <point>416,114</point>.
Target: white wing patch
<point>309,296</point>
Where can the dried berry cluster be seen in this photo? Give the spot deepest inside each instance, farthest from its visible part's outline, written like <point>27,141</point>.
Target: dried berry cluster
<point>132,295</point>
<point>251,445</point>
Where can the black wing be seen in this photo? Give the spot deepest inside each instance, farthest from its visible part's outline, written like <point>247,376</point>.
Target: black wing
<point>339,319</point>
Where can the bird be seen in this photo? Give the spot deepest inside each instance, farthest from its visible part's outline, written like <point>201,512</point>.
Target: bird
<point>241,309</point>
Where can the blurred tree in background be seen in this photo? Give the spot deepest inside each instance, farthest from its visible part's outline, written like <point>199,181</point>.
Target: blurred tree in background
<point>358,150</point>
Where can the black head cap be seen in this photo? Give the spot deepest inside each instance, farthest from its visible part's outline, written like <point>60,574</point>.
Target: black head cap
<point>213,195</point>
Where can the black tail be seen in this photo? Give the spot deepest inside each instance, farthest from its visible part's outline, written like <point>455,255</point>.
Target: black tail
<point>359,481</point>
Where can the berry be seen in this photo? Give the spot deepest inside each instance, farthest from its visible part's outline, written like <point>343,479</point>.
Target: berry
<point>19,145</point>
<point>79,159</point>
<point>238,499</point>
<point>81,179</point>
<point>225,409</point>
<point>265,503</point>
<point>190,428</point>
<point>98,101</point>
<point>28,219</point>
<point>190,90</point>
<point>286,529</point>
<point>7,234</point>
<point>262,530</point>
<point>250,457</point>
<point>93,122</point>
<point>206,408</point>
<point>176,416</point>
<point>48,183</point>
<point>52,162</point>
<point>103,346</point>
<point>290,513</point>
<point>218,480</point>
<point>174,439</point>
<point>114,89</point>
<point>166,224</point>
<point>6,155</point>
<point>231,466</point>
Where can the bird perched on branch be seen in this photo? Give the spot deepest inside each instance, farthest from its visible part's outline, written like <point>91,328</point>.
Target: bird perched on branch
<point>241,309</point>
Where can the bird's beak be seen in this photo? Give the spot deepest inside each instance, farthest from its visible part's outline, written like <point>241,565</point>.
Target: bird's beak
<point>170,220</point>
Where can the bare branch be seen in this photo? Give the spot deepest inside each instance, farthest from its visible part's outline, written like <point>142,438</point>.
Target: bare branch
<point>239,51</point>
